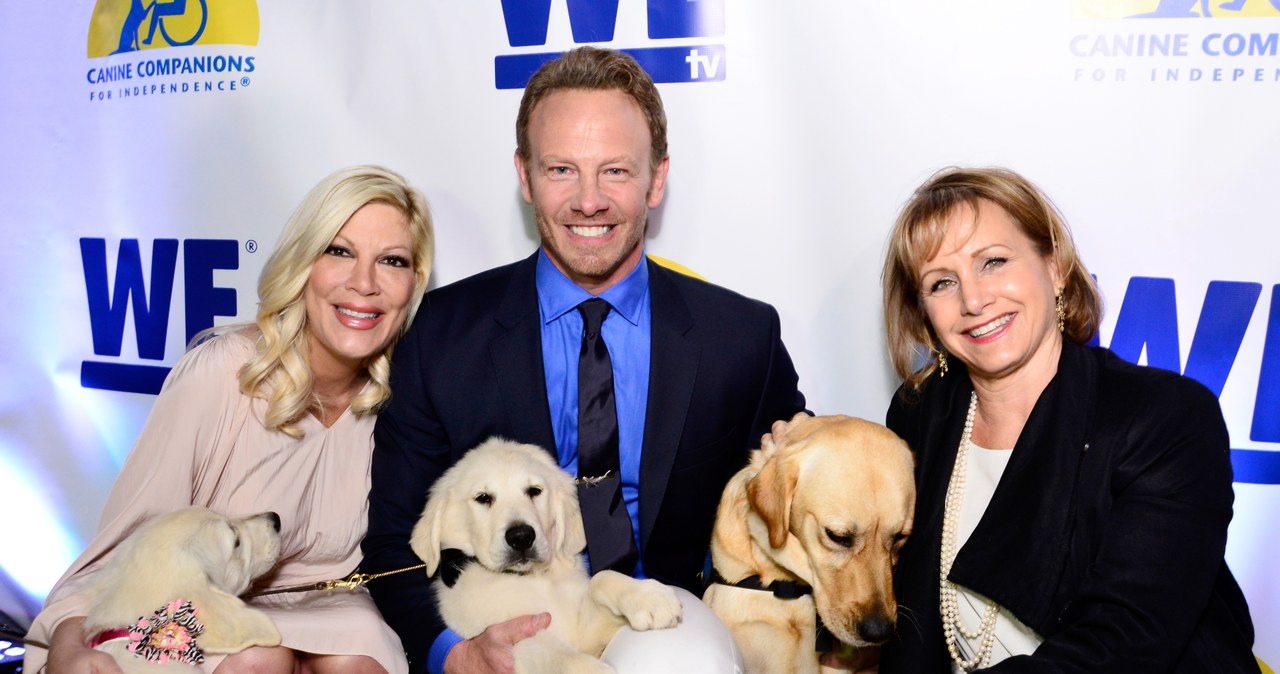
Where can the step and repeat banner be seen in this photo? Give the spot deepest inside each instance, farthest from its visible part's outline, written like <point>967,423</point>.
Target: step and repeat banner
<point>153,150</point>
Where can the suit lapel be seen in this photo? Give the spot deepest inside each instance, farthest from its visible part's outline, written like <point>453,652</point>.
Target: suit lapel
<point>516,353</point>
<point>673,368</point>
<point>1036,493</point>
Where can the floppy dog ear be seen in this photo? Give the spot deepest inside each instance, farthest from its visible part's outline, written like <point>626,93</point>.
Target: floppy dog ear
<point>213,546</point>
<point>770,493</point>
<point>425,539</point>
<point>568,535</point>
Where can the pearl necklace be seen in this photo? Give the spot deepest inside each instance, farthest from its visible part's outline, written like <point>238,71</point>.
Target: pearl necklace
<point>947,600</point>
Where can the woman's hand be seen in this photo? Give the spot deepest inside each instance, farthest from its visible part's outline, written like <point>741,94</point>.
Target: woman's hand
<point>68,653</point>
<point>769,441</point>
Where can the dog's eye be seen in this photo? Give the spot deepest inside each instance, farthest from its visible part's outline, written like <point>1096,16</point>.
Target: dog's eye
<point>484,499</point>
<point>237,543</point>
<point>533,491</point>
<point>842,540</point>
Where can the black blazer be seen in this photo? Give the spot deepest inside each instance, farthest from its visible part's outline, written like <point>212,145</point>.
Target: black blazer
<point>471,367</point>
<point>1105,534</point>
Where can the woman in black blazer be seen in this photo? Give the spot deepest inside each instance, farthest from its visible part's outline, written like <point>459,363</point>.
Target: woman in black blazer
<point>1072,508</point>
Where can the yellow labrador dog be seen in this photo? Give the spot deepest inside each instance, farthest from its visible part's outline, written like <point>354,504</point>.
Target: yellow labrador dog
<point>503,528</point>
<point>815,520</point>
<point>170,592</point>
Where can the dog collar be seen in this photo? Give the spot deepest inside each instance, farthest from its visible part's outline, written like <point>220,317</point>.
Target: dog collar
<point>782,589</point>
<point>168,634</point>
<point>453,562</point>
<point>108,635</point>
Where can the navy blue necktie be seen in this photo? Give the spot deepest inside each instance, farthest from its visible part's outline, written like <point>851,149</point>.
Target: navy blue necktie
<point>610,543</point>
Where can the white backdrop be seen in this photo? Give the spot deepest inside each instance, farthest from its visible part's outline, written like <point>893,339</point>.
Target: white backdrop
<point>807,125</point>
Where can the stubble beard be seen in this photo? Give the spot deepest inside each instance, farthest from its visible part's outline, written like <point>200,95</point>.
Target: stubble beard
<point>593,266</point>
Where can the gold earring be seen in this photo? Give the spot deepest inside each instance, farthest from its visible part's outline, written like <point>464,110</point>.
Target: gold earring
<point>1061,309</point>
<point>942,363</point>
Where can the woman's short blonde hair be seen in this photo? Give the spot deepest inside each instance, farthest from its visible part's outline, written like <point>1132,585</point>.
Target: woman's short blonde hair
<point>280,372</point>
<point>918,235</point>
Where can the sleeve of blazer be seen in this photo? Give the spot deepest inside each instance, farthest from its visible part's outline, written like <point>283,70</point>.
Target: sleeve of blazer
<point>410,452</point>
<point>1161,538</point>
<point>781,398</point>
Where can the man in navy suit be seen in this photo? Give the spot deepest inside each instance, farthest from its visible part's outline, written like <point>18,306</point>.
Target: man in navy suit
<point>699,372</point>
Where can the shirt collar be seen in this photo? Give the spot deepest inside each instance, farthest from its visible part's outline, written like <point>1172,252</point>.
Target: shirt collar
<point>557,295</point>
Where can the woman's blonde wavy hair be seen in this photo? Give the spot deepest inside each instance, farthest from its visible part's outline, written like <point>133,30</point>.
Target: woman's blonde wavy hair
<point>280,372</point>
<point>918,235</point>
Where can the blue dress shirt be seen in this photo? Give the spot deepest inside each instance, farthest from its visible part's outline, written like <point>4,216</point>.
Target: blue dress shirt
<point>626,331</point>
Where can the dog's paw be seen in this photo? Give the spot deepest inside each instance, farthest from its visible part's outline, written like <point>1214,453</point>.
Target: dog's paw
<point>650,605</point>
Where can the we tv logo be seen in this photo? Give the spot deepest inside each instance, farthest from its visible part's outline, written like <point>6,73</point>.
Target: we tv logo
<point>150,294</point>
<point>595,21</point>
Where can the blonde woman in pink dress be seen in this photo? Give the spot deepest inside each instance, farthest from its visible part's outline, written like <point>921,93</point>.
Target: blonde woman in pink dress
<point>278,415</point>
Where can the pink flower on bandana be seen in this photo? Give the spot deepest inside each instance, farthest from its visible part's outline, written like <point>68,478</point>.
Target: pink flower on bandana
<point>168,634</point>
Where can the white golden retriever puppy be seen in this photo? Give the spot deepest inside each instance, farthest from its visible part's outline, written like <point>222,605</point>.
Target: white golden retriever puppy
<point>169,593</point>
<point>504,529</point>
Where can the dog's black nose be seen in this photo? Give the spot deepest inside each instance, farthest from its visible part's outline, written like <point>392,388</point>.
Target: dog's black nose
<point>275,520</point>
<point>875,629</point>
<point>520,537</point>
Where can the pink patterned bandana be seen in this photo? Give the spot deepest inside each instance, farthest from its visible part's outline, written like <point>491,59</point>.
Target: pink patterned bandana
<point>168,634</point>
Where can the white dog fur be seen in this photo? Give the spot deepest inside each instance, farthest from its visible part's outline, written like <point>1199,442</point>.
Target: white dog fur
<point>512,509</point>
<point>193,554</point>
<point>826,502</point>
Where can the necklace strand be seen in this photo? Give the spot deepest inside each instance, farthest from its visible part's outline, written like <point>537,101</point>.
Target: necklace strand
<point>948,602</point>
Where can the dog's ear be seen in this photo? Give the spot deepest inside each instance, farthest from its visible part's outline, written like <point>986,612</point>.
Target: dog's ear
<point>770,492</point>
<point>214,546</point>
<point>567,533</point>
<point>425,539</point>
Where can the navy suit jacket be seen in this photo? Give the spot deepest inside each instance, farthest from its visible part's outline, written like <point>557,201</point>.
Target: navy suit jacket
<point>470,368</point>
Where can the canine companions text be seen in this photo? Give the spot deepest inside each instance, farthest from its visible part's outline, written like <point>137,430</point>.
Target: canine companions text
<point>169,593</point>
<point>501,534</point>
<point>816,519</point>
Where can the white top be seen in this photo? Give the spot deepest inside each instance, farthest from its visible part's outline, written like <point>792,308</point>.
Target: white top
<point>982,474</point>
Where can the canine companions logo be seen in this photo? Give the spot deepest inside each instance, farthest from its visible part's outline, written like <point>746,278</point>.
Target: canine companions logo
<point>1141,43</point>
<point>1173,9</point>
<point>595,21</point>
<point>125,34</point>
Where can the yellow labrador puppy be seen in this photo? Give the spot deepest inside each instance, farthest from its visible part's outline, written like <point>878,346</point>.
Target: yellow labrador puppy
<point>169,594</point>
<point>814,521</point>
<point>503,528</point>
